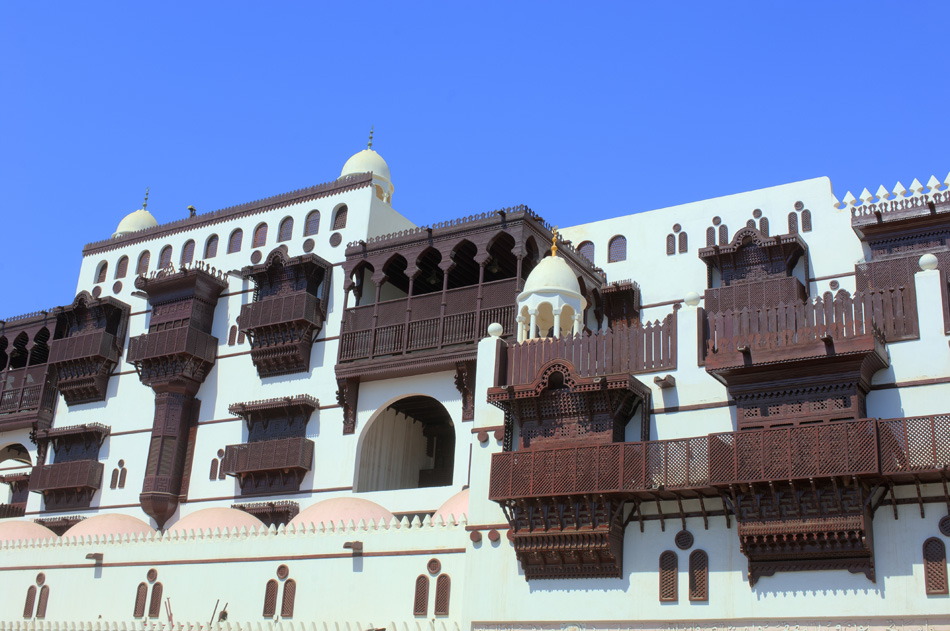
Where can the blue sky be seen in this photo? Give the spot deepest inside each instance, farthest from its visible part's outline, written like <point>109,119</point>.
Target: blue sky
<point>592,112</point>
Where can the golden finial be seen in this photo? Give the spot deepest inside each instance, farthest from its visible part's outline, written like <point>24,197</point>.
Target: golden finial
<point>554,241</point>
<point>145,203</point>
<point>369,145</point>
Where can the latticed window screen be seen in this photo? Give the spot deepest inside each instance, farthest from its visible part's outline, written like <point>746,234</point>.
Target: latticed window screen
<point>723,235</point>
<point>670,244</point>
<point>144,258</point>
<point>710,236</point>
<point>935,566</point>
<point>232,334</point>
<point>617,249</point>
<point>586,249</point>
<point>764,226</point>
<point>286,230</point>
<point>260,236</point>
<point>792,223</point>
<point>155,604</point>
<point>806,220</point>
<point>287,605</point>
<point>313,224</point>
<point>30,599</point>
<point>123,473</point>
<point>165,258</point>
<point>340,221</point>
<point>101,274</point>
<point>214,469</point>
<point>270,598</point>
<point>698,576</point>
<point>115,479</point>
<point>211,247</point>
<point>140,595</point>
<point>188,253</point>
<point>443,589</point>
<point>41,604</point>
<point>420,601</point>
<point>234,243</point>
<point>684,244</point>
<point>750,224</point>
<point>122,267</point>
<point>668,569</point>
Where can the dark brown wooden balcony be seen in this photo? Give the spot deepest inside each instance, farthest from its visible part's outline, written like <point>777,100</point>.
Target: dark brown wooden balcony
<point>82,365</point>
<point>28,405</point>
<point>67,476</point>
<point>96,344</point>
<point>281,330</point>
<point>408,325</point>
<point>178,341</point>
<point>269,465</point>
<point>12,510</point>
<point>289,309</point>
<point>915,449</point>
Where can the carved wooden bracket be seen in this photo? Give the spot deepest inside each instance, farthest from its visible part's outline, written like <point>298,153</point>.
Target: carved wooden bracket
<point>347,395</point>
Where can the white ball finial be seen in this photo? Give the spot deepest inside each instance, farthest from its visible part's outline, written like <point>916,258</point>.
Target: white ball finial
<point>692,299</point>
<point>928,262</point>
<point>495,329</point>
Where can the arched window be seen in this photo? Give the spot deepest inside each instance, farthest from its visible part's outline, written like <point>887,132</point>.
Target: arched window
<point>750,224</point>
<point>313,224</point>
<point>165,258</point>
<point>20,356</point>
<point>240,337</point>
<point>234,243</point>
<point>101,274</point>
<point>764,226</point>
<point>339,222</point>
<point>155,604</point>
<point>270,599</point>
<point>287,603</point>
<point>3,352</point>
<point>420,601</point>
<point>806,220</point>
<point>935,566</point>
<point>188,252</point>
<point>142,266</point>
<point>214,469</point>
<point>723,235</point>
<point>123,473</point>
<point>710,236</point>
<point>30,599</point>
<point>617,249</point>
<point>286,231</point>
<point>792,223</point>
<point>232,334</point>
<point>211,247</point>
<point>670,244</point>
<point>668,568</point>
<point>39,354</point>
<point>140,595</point>
<point>41,604</point>
<point>684,245</point>
<point>443,587</point>
<point>260,236</point>
<point>586,249</point>
<point>698,576</point>
<point>122,267</point>
<point>115,479</point>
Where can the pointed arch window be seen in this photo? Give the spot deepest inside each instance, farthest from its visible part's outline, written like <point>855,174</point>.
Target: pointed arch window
<point>165,258</point>
<point>142,266</point>
<point>188,252</point>
<point>122,267</point>
<point>101,273</point>
<point>286,230</point>
<point>586,249</point>
<point>211,247</point>
<point>234,243</point>
<point>260,236</point>
<point>312,226</point>
<point>617,249</point>
<point>339,222</point>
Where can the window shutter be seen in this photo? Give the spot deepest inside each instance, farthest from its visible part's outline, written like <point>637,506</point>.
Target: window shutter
<point>188,253</point>
<point>935,566</point>
<point>211,247</point>
<point>287,605</point>
<point>806,220</point>
<point>260,236</point>
<point>710,236</point>
<point>792,223</point>
<point>668,568</point>
<point>443,587</point>
<point>313,224</point>
<point>723,235</point>
<point>155,604</point>
<point>41,605</point>
<point>234,243</point>
<point>286,229</point>
<point>103,270</point>
<point>684,246</point>
<point>270,598</point>
<point>698,576</point>
<point>142,267</point>
<point>140,595</point>
<point>30,599</point>
<point>214,469</point>
<point>420,603</point>
<point>340,222</point>
<point>122,267</point>
<point>670,245</point>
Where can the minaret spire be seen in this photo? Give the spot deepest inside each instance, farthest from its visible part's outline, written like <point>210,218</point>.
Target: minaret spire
<point>145,203</point>
<point>554,241</point>
<point>369,145</point>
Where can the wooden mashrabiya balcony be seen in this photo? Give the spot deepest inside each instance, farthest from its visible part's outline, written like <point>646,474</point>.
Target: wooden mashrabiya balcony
<point>65,476</point>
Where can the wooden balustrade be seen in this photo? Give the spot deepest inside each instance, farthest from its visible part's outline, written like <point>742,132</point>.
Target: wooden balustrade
<point>299,306</point>
<point>78,474</point>
<point>97,343</point>
<point>268,455</point>
<point>182,340</point>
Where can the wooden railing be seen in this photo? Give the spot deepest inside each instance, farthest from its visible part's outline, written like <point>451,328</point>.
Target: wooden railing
<point>412,324</point>
<point>268,455</point>
<point>299,306</point>
<point>12,510</point>
<point>67,475</point>
<point>94,344</point>
<point>918,446</point>
<point>182,340</point>
<point>799,328</point>
<point>647,348</point>
<point>20,399</point>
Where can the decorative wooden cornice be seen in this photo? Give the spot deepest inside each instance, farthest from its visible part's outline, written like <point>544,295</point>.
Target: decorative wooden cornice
<point>301,405</point>
<point>342,185</point>
<point>96,430</point>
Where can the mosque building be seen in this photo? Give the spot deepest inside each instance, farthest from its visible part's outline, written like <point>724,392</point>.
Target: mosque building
<point>306,412</point>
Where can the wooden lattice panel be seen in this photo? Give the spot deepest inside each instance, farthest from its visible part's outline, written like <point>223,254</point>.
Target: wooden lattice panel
<point>420,600</point>
<point>935,567</point>
<point>698,576</point>
<point>617,249</point>
<point>270,598</point>
<point>141,594</point>
<point>443,587</point>
<point>668,571</point>
<point>30,600</point>
<point>155,603</point>
<point>290,593</point>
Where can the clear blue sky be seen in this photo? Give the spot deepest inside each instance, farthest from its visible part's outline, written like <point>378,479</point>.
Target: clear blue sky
<point>577,112</point>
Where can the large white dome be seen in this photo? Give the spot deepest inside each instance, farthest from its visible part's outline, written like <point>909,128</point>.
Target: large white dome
<point>552,275</point>
<point>135,221</point>
<point>364,161</point>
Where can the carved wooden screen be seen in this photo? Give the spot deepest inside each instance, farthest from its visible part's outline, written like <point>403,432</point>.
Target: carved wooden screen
<point>155,604</point>
<point>698,576</point>
<point>792,223</point>
<point>140,595</point>
<point>670,245</point>
<point>935,566</point>
<point>313,224</point>
<point>443,588</point>
<point>270,598</point>
<point>188,253</point>
<point>165,257</point>
<point>806,220</point>
<point>142,266</point>
<point>668,569</point>
<point>586,249</point>
<point>723,235</point>
<point>30,599</point>
<point>214,469</point>
<point>286,230</point>
<point>764,226</point>
<point>123,473</point>
<point>710,236</point>
<point>101,274</point>
<point>122,267</point>
<point>211,247</point>
<point>41,603</point>
<point>232,335</point>
<point>287,605</point>
<point>340,222</point>
<point>260,236</point>
<point>234,243</point>
<point>617,249</point>
<point>420,602</point>
<point>115,479</point>
<point>684,244</point>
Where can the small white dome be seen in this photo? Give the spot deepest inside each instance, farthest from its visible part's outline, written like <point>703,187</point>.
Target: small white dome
<point>135,221</point>
<point>552,274</point>
<point>364,161</point>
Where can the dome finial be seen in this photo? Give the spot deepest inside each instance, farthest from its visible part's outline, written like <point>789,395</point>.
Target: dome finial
<point>145,203</point>
<point>369,145</point>
<point>554,241</point>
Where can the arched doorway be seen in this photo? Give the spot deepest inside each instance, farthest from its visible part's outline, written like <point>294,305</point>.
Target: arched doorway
<point>410,444</point>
